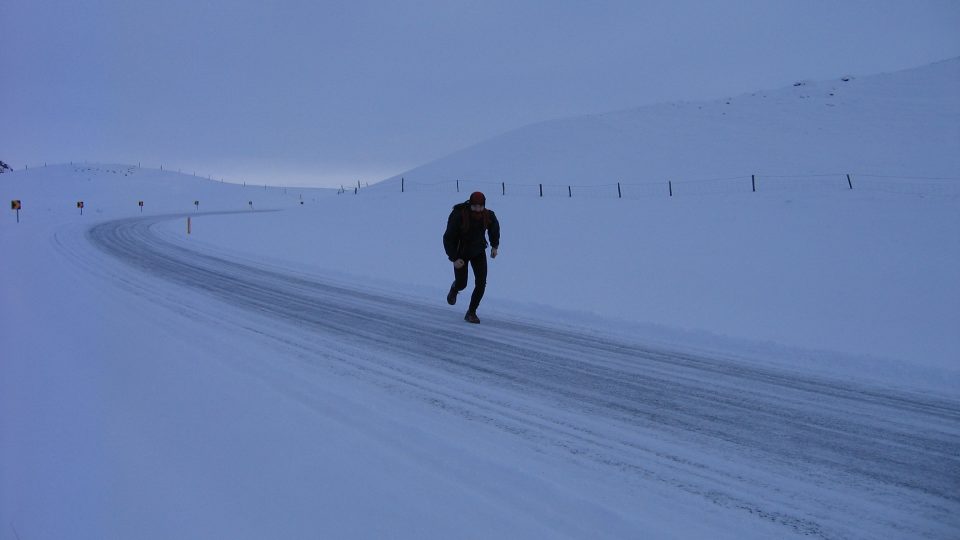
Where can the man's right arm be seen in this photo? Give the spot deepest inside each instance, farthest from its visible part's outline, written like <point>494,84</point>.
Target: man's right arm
<point>451,237</point>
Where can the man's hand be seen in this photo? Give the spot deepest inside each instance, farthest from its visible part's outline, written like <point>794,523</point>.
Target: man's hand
<point>458,264</point>
<point>493,253</point>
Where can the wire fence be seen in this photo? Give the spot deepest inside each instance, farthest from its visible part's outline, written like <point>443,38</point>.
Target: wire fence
<point>947,187</point>
<point>904,185</point>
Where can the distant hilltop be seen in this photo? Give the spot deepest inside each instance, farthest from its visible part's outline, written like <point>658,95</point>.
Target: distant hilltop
<point>902,124</point>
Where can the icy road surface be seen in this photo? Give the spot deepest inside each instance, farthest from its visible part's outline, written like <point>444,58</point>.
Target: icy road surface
<point>817,457</point>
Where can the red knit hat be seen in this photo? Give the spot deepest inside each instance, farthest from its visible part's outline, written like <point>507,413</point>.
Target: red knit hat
<point>477,198</point>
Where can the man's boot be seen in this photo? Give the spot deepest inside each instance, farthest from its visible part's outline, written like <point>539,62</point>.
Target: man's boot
<point>452,295</point>
<point>471,317</point>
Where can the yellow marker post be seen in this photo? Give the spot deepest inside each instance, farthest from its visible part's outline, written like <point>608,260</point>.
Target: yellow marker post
<point>80,206</point>
<point>15,205</point>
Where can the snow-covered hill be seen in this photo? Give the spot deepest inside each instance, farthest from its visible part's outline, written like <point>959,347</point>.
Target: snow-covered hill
<point>114,189</point>
<point>898,124</point>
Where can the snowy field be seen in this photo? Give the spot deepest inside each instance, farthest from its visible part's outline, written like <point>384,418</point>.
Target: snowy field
<point>297,373</point>
<point>726,364</point>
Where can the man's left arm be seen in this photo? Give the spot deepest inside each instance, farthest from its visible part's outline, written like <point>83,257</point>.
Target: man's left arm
<point>494,232</point>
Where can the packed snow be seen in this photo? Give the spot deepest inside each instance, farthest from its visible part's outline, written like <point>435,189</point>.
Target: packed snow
<point>720,363</point>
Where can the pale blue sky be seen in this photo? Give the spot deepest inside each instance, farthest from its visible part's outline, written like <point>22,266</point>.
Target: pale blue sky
<point>286,92</point>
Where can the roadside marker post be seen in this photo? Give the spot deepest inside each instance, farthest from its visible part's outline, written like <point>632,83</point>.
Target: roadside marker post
<point>80,206</point>
<point>15,205</point>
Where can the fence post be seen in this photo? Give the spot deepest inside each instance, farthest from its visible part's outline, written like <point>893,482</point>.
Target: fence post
<point>753,180</point>
<point>619,193</point>
<point>569,192</point>
<point>458,185</point>
<point>503,185</point>
<point>401,184</point>
<point>849,182</point>
<point>541,190</point>
<point>670,184</point>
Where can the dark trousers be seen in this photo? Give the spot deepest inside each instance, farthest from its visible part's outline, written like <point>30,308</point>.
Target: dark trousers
<point>479,264</point>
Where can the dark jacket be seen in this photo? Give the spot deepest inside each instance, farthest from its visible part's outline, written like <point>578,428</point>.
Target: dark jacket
<point>464,237</point>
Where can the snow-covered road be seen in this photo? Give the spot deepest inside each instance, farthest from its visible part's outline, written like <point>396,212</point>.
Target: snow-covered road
<point>814,456</point>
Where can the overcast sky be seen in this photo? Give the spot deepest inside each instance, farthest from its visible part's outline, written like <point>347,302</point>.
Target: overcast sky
<point>328,92</point>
